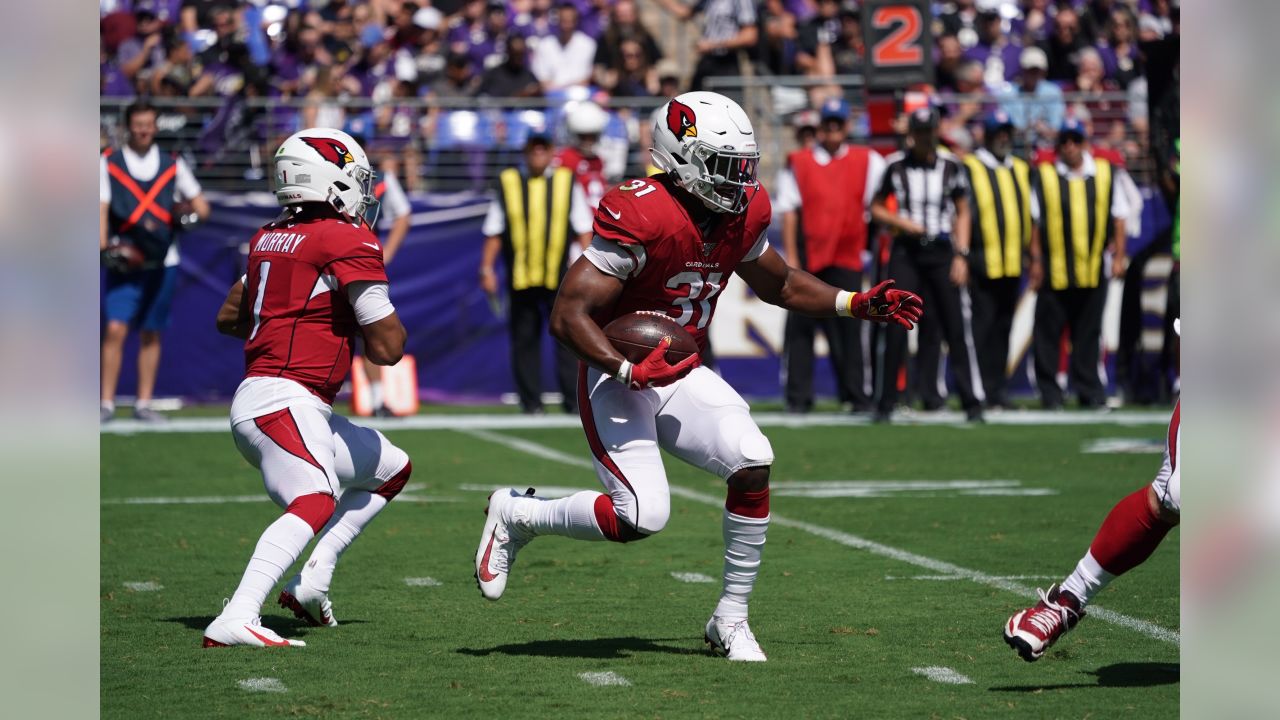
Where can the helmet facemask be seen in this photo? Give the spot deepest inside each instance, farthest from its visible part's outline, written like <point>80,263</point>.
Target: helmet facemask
<point>723,176</point>
<point>358,202</point>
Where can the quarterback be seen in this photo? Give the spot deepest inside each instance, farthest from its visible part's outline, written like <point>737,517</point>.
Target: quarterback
<point>315,280</point>
<point>670,243</point>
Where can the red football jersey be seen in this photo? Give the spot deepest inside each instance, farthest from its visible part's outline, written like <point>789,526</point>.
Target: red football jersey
<point>303,325</point>
<point>588,171</point>
<point>681,267</point>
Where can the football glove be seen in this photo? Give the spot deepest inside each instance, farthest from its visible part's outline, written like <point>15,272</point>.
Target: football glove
<point>655,371</point>
<point>884,304</point>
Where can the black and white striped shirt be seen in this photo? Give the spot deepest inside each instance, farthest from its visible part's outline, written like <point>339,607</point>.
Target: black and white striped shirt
<point>926,193</point>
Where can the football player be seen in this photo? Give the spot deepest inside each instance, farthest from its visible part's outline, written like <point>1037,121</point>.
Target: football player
<point>316,279</point>
<point>670,243</point>
<point>1129,534</point>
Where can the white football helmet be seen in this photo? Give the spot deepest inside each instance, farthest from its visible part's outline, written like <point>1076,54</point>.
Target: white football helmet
<point>704,141</point>
<point>585,118</point>
<point>327,166</point>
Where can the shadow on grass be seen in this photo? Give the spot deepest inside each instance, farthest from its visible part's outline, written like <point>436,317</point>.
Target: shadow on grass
<point>598,648</point>
<point>1126,675</point>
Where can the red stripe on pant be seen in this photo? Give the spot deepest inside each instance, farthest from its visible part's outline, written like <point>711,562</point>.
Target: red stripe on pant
<point>1173,434</point>
<point>283,431</point>
<point>606,516</point>
<point>392,487</point>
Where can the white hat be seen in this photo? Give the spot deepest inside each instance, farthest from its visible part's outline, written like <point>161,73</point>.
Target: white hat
<point>428,18</point>
<point>1033,57</point>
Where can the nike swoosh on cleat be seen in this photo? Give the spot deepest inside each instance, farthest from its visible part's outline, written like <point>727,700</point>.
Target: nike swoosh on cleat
<point>616,215</point>
<point>266,640</point>
<point>483,571</point>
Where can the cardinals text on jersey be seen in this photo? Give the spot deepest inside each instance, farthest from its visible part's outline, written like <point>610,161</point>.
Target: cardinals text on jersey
<point>680,267</point>
<point>303,325</point>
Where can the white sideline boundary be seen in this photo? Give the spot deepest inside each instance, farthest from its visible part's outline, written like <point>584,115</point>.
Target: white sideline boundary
<point>482,421</point>
<point>939,567</point>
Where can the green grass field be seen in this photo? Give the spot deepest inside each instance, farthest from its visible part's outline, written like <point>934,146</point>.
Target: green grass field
<point>845,623</point>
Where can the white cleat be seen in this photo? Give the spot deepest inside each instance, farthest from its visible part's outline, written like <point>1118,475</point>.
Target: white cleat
<point>308,604</point>
<point>733,639</point>
<point>225,632</point>
<point>499,543</point>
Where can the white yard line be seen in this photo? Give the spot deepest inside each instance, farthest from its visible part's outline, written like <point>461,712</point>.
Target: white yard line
<point>1141,446</point>
<point>942,675</point>
<point>940,567</point>
<point>961,577</point>
<point>263,684</point>
<point>146,586</point>
<point>692,577</point>
<point>483,421</point>
<point>422,582</point>
<point>603,679</point>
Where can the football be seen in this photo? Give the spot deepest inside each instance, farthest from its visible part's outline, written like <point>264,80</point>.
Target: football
<point>637,334</point>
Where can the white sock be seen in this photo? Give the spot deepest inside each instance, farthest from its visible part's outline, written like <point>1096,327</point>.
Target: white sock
<point>573,516</point>
<point>375,393</point>
<point>355,511</point>
<point>141,404</point>
<point>1088,579</point>
<point>278,549</point>
<point>108,405</point>
<point>743,544</point>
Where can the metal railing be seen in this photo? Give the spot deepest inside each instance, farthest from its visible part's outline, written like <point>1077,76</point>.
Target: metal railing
<point>460,144</point>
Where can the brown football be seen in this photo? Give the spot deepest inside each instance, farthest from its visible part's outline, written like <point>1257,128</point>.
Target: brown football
<point>637,334</point>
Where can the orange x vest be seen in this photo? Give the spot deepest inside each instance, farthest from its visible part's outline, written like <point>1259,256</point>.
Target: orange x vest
<point>141,211</point>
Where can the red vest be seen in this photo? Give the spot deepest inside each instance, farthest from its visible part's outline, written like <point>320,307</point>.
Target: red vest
<point>833,223</point>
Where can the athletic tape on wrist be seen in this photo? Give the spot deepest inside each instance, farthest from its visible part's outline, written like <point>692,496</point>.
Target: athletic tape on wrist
<point>624,373</point>
<point>844,303</point>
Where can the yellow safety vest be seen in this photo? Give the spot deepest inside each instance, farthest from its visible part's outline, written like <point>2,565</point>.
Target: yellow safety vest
<point>1002,216</point>
<point>537,226</point>
<point>1075,211</point>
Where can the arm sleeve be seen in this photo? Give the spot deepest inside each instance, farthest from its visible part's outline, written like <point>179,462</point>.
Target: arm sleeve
<point>788,197</point>
<point>104,181</point>
<point>185,182</point>
<point>370,300</point>
<point>495,221</point>
<point>875,176</point>
<point>579,210</point>
<point>395,204</point>
<point>762,244</point>
<point>959,186</point>
<point>611,258</point>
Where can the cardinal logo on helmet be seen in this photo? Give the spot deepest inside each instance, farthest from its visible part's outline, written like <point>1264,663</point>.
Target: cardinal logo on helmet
<point>681,121</point>
<point>332,150</point>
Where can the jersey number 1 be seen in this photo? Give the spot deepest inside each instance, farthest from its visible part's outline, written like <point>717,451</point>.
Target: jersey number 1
<point>694,302</point>
<point>264,269</point>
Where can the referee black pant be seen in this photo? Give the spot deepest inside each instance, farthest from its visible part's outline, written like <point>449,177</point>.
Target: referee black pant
<point>1079,309</point>
<point>529,312</point>
<point>844,337</point>
<point>926,271</point>
<point>994,302</point>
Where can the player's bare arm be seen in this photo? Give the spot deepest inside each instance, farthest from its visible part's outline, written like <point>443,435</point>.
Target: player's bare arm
<point>778,283</point>
<point>584,292</point>
<point>234,317</point>
<point>587,292</point>
<point>384,340</point>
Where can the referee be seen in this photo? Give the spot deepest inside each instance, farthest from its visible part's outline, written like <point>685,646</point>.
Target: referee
<point>929,257</point>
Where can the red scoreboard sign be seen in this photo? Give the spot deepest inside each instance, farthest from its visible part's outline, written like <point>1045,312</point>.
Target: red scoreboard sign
<point>899,43</point>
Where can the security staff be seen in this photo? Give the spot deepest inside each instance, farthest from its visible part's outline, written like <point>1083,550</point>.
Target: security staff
<point>1000,186</point>
<point>1078,216</point>
<point>538,212</point>
<point>929,257</point>
<point>141,191</point>
<point>823,195</point>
